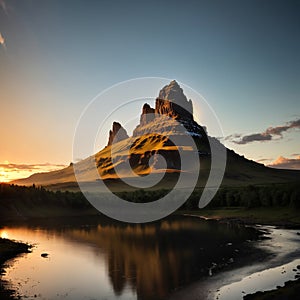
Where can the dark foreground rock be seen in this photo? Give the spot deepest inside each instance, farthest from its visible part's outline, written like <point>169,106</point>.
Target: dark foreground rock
<point>290,291</point>
<point>8,250</point>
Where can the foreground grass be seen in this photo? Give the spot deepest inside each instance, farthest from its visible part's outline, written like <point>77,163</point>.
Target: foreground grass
<point>282,216</point>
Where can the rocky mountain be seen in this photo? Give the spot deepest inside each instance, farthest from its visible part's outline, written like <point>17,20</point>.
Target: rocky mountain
<point>154,148</point>
<point>178,112</point>
<point>170,120</point>
<point>172,95</point>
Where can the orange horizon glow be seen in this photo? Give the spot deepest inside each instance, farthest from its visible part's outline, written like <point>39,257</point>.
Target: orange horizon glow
<point>3,234</point>
<point>10,171</point>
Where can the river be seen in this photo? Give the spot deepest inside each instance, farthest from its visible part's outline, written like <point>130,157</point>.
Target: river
<point>97,258</point>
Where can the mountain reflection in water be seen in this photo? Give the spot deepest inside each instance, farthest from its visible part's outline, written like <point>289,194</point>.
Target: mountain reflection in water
<point>153,259</point>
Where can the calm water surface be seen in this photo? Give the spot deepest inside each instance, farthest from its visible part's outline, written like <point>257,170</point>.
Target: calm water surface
<point>101,259</point>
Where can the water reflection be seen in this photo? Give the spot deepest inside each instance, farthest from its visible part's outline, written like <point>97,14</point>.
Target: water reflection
<point>138,261</point>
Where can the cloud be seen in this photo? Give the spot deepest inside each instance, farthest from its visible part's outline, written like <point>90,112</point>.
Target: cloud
<point>232,136</point>
<point>271,133</point>
<point>263,159</point>
<point>286,163</point>
<point>4,6</point>
<point>12,166</point>
<point>2,41</point>
<point>280,129</point>
<point>11,171</point>
<point>253,137</point>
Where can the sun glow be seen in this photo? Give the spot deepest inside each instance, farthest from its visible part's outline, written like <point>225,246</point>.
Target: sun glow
<point>7,175</point>
<point>3,234</point>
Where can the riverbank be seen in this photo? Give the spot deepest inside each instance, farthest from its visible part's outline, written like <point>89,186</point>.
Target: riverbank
<point>266,274</point>
<point>290,290</point>
<point>284,217</point>
<point>8,250</point>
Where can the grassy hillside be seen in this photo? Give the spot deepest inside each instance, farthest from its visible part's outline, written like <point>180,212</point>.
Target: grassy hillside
<point>129,155</point>
<point>239,172</point>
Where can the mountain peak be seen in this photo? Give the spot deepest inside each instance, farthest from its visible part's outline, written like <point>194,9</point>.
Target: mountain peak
<point>174,83</point>
<point>173,96</point>
<point>173,104</point>
<point>173,92</point>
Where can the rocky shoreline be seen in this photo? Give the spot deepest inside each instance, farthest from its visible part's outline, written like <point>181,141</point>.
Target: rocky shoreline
<point>290,290</point>
<point>243,217</point>
<point>274,251</point>
<point>9,250</point>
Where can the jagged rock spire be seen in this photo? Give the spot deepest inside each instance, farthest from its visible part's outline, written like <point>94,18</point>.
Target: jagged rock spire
<point>118,133</point>
<point>172,102</point>
<point>147,114</point>
<point>174,93</point>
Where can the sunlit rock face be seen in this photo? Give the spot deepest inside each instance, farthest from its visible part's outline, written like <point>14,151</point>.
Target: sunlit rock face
<point>173,113</point>
<point>117,134</point>
<point>171,101</point>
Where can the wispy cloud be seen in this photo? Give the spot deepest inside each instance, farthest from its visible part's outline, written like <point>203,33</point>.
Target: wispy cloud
<point>271,133</point>
<point>286,163</point>
<point>12,166</point>
<point>264,160</point>
<point>11,171</point>
<point>295,154</point>
<point>2,41</point>
<point>4,6</point>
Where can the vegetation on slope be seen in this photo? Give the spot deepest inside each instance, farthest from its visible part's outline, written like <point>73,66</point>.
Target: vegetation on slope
<point>20,202</point>
<point>272,203</point>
